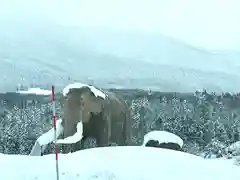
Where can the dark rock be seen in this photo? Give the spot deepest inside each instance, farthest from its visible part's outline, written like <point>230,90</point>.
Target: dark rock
<point>169,145</point>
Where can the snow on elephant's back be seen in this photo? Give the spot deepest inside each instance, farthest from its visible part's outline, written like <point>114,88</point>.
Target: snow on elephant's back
<point>162,137</point>
<point>78,85</point>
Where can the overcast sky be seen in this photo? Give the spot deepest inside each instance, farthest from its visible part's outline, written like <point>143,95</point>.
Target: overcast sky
<point>213,24</point>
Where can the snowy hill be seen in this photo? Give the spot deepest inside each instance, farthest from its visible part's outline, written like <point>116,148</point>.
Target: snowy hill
<point>118,163</point>
<point>51,53</point>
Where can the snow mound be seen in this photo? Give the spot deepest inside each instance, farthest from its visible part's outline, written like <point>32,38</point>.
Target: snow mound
<point>96,91</point>
<point>117,163</point>
<point>162,137</point>
<point>36,91</point>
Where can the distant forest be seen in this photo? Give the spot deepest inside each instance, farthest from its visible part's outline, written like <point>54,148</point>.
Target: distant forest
<point>203,120</point>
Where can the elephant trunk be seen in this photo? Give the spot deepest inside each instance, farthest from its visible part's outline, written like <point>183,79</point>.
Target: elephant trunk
<point>71,117</point>
<point>75,137</point>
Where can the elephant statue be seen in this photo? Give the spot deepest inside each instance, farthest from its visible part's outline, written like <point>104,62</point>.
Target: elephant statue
<point>104,115</point>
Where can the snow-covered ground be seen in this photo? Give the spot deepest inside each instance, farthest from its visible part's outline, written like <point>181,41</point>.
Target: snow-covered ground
<point>117,163</point>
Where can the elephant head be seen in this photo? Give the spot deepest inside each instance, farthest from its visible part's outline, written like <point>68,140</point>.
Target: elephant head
<point>78,106</point>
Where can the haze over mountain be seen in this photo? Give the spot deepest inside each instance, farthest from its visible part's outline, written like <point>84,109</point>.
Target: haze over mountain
<point>48,53</point>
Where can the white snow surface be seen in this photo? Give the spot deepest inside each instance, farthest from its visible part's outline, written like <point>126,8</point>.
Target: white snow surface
<point>161,137</point>
<point>117,163</point>
<point>96,91</point>
<point>234,161</point>
<point>36,91</point>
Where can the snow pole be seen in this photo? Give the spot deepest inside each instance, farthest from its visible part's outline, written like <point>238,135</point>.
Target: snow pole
<point>55,133</point>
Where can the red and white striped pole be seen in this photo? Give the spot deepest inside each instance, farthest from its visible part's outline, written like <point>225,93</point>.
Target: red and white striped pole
<point>55,133</point>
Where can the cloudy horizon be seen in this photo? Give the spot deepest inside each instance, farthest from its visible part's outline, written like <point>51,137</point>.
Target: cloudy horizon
<point>211,24</point>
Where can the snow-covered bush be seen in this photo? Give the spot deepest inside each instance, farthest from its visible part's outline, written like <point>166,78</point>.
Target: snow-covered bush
<point>204,121</point>
<point>138,110</point>
<point>21,127</point>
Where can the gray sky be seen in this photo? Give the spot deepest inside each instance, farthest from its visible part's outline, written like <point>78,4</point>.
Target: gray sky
<point>213,24</point>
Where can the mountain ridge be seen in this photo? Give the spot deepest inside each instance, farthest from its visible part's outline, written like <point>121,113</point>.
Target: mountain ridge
<point>53,53</point>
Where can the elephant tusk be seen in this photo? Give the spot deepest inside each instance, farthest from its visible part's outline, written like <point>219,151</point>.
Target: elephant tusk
<point>48,137</point>
<point>36,150</point>
<point>45,139</point>
<point>75,138</point>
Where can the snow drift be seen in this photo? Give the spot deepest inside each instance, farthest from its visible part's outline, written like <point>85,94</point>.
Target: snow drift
<point>118,163</point>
